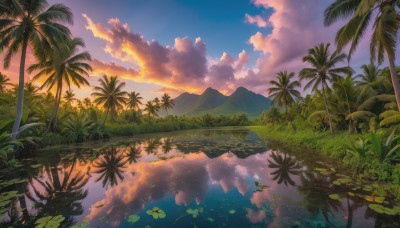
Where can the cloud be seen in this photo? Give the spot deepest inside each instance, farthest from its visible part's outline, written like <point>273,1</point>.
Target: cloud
<point>296,27</point>
<point>258,20</point>
<point>112,68</point>
<point>182,67</point>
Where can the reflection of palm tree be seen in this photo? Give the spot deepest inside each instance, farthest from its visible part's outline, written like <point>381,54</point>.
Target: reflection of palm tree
<point>151,145</point>
<point>133,154</point>
<point>285,166</point>
<point>60,196</point>
<point>167,145</point>
<point>316,190</point>
<point>110,167</point>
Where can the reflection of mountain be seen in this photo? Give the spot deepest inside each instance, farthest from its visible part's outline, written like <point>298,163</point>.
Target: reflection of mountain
<point>213,102</point>
<point>215,143</point>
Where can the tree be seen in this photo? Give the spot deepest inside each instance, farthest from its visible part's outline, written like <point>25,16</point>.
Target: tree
<point>151,108</point>
<point>32,23</point>
<point>284,92</point>
<point>64,65</point>
<point>87,102</point>
<point>4,82</point>
<point>167,102</point>
<point>384,30</point>
<point>156,102</point>
<point>323,71</point>
<point>134,100</point>
<point>110,95</point>
<point>69,96</point>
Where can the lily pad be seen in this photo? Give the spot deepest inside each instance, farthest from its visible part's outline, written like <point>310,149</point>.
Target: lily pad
<point>194,212</point>
<point>156,213</point>
<point>232,211</point>
<point>211,219</point>
<point>133,218</point>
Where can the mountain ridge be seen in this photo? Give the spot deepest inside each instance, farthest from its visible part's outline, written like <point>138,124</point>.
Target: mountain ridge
<point>213,102</point>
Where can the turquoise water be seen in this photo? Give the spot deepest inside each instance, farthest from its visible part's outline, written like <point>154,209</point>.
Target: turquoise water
<point>198,178</point>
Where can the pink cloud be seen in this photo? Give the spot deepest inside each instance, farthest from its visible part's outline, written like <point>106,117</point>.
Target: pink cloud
<point>182,67</point>
<point>258,20</point>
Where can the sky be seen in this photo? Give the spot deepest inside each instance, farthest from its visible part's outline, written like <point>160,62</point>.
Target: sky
<point>177,46</point>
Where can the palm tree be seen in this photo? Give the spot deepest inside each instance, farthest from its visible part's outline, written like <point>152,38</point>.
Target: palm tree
<point>151,108</point>
<point>370,78</point>
<point>87,102</point>
<point>64,65</point>
<point>323,70</point>
<point>167,102</point>
<point>69,96</point>
<point>134,100</point>
<point>284,92</point>
<point>156,102</point>
<point>4,82</point>
<point>110,95</point>
<point>30,23</point>
<point>384,30</point>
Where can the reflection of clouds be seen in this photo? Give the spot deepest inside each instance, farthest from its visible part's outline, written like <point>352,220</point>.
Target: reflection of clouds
<point>256,216</point>
<point>187,177</point>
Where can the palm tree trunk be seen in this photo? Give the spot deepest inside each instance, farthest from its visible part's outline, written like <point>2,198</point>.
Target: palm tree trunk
<point>20,104</point>
<point>290,119</point>
<point>351,127</point>
<point>105,116</point>
<point>395,81</point>
<point>327,109</point>
<point>52,123</point>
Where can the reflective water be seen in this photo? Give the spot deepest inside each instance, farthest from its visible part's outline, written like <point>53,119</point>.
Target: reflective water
<point>199,178</point>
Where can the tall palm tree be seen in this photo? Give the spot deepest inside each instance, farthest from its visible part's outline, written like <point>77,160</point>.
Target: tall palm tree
<point>384,30</point>
<point>69,96</point>
<point>134,100</point>
<point>30,23</point>
<point>65,65</point>
<point>110,95</point>
<point>4,82</point>
<point>151,108</point>
<point>167,102</point>
<point>323,71</point>
<point>284,92</point>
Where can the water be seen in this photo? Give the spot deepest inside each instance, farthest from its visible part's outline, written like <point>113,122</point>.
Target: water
<point>199,178</point>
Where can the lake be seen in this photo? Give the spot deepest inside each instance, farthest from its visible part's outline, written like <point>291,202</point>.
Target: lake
<point>227,177</point>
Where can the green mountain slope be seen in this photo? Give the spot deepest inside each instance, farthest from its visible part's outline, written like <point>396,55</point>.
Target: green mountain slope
<point>213,102</point>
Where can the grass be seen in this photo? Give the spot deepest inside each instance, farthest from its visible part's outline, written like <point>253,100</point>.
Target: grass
<point>333,145</point>
<point>132,129</point>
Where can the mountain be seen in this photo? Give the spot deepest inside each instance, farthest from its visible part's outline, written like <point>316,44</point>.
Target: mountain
<point>244,101</point>
<point>209,99</point>
<point>213,102</point>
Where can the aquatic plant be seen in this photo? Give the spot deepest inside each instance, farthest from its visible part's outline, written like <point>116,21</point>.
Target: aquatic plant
<point>156,213</point>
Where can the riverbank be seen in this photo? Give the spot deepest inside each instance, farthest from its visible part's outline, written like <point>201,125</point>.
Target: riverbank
<point>386,174</point>
<point>333,145</point>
